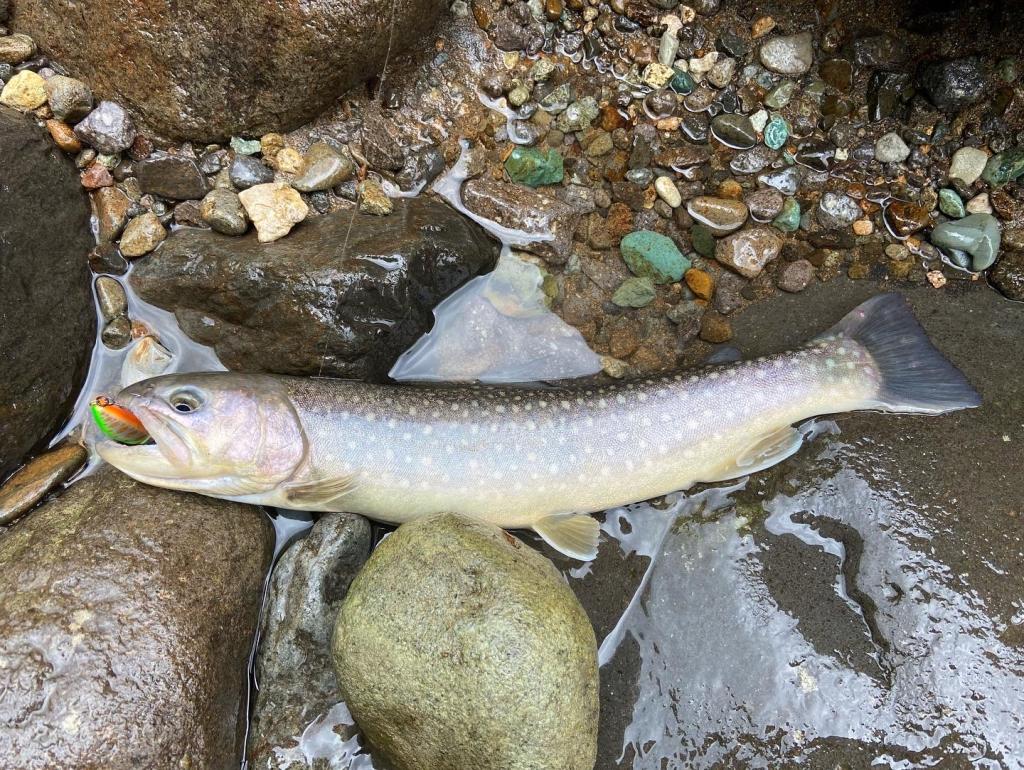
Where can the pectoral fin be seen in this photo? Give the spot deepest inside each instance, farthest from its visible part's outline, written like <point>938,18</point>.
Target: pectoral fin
<point>766,451</point>
<point>317,493</point>
<point>574,534</point>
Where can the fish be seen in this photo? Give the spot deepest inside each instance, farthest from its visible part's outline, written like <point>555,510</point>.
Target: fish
<point>540,458</point>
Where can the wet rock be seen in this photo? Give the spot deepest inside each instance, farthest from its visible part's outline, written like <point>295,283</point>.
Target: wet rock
<point>734,130</point>
<point>274,208</point>
<point>765,204</point>
<point>142,234</point>
<point>171,176</point>
<point>108,128</point>
<point>117,333</point>
<point>752,161</point>
<point>776,132</point>
<point>779,96</point>
<point>837,210</point>
<point>296,677</point>
<point>885,52</point>
<point>147,358</point>
<point>246,171</point>
<point>528,211</point>
<point>904,218</point>
<point>653,255</point>
<point>788,220</point>
<point>526,652</point>
<point>578,115</point>
<point>63,136</point>
<point>953,85</point>
<point>111,297</point>
<point>70,99</point>
<point>668,191</point>
<point>1008,275</point>
<point>890,148</point>
<point>352,313</point>
<point>967,165</point>
<point>223,211</point>
<point>786,181</point>
<point>534,167</point>
<point>950,204</point>
<point>979,204</point>
<point>715,328</point>
<point>48,321</point>
<point>977,234</point>
<point>795,276</point>
<point>25,91</point>
<point>23,490</point>
<point>324,167</point>
<point>889,95</point>
<point>162,64</point>
<point>837,73</point>
<point>721,215</point>
<point>111,206</point>
<point>788,55</point>
<point>373,200</point>
<point>635,292</point>
<point>96,177</point>
<point>748,251</point>
<point>421,168</point>
<point>1004,167</point>
<point>149,598</point>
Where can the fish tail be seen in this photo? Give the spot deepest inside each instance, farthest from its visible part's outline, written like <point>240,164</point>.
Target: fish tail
<point>913,375</point>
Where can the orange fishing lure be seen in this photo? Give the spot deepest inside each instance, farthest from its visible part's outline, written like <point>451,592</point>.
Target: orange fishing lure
<point>117,422</point>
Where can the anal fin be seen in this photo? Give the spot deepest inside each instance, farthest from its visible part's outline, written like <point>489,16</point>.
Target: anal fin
<point>574,534</point>
<point>318,492</point>
<point>766,451</point>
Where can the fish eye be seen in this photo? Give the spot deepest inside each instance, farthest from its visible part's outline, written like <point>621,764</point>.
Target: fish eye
<point>185,401</point>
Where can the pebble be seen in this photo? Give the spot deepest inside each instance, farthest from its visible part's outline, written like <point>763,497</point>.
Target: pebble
<point>837,210</point>
<point>655,75</point>
<point>111,206</point>
<point>141,235</point>
<point>117,334</point>
<point>978,234</point>
<point>936,278</point>
<point>722,73</point>
<point>634,292</point>
<point>765,204</point>
<point>762,26</point>
<point>668,46</point>
<point>979,204</point>
<point>703,240</point>
<point>734,131</point>
<point>63,135</point>
<point>70,99</point>
<point>288,160</point>
<point>247,171</point>
<point>274,208</point>
<point>699,66</point>
<point>373,200</point>
<point>323,168</point>
<point>1004,167</point>
<point>788,220</point>
<point>270,145</point>
<point>700,282</point>
<point>904,218</point>
<point>20,493</point>
<point>863,227</point>
<point>249,146</point>
<point>171,176</point>
<point>1007,276</point>
<point>535,167</point>
<point>96,176</point>
<point>668,191</point>
<point>25,91</point>
<point>968,164</point>
<point>951,204</point>
<point>682,82</point>
<point>111,297</point>
<point>890,148</point>
<point>955,84</point>
<point>776,132</point>
<point>837,73</point>
<point>748,251</point>
<point>14,49</point>
<point>715,328</point>
<point>786,181</point>
<point>788,55</point>
<point>223,211</point>
<point>759,120</point>
<point>147,358</point>
<point>721,215</point>
<point>541,70</point>
<point>780,95</point>
<point>795,276</point>
<point>653,255</point>
<point>108,128</point>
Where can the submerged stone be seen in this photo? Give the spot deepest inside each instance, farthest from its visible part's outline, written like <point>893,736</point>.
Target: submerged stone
<point>951,204</point>
<point>836,211</point>
<point>788,55</point>
<point>734,130</point>
<point>779,96</point>
<point>788,220</point>
<point>1004,167</point>
<point>535,167</point>
<point>654,255</point>
<point>977,234</point>
<point>968,164</point>
<point>748,251</point>
<point>890,148</point>
<point>1008,276</point>
<point>681,82</point>
<point>953,85</point>
<point>635,292</point>
<point>776,132</point>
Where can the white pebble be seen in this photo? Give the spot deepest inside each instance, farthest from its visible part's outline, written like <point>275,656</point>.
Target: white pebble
<point>668,191</point>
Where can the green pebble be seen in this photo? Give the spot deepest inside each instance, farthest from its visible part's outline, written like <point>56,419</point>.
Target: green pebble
<point>779,96</point>
<point>1007,70</point>
<point>1004,167</point>
<point>703,240</point>
<point>950,203</point>
<point>977,234</point>
<point>245,146</point>
<point>534,167</point>
<point>776,132</point>
<point>788,220</point>
<point>634,292</point>
<point>682,82</point>
<point>653,255</point>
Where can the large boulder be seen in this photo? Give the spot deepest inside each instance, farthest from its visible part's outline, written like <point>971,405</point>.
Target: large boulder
<point>126,619</point>
<point>206,70</point>
<point>46,312</point>
<point>296,678</point>
<point>327,299</point>
<point>459,648</point>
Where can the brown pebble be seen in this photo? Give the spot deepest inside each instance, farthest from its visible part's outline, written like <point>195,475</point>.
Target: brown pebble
<point>553,9</point>
<point>610,118</point>
<point>858,271</point>
<point>620,221</point>
<point>141,147</point>
<point>936,278</point>
<point>28,485</point>
<point>904,218</point>
<point>63,135</point>
<point>863,227</point>
<point>715,328</point>
<point>96,176</point>
<point>700,282</point>
<point>762,26</point>
<point>731,189</point>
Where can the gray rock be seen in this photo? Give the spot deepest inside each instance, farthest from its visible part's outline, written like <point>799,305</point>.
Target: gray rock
<point>795,276</point>
<point>953,85</point>
<point>890,148</point>
<point>301,305</point>
<point>884,52</point>
<point>148,599</point>
<point>788,55</point>
<point>421,167</point>
<point>446,665</point>
<point>754,160</point>
<point>527,210</point>
<point>577,116</point>
<point>108,128</point>
<point>296,677</point>
<point>967,164</point>
<point>978,234</point>
<point>171,176</point>
<point>382,146</point>
<point>836,211</point>
<point>247,171</point>
<point>324,168</point>
<point>69,99</point>
<point>47,319</point>
<point>223,211</point>
<point>764,204</point>
<point>205,71</point>
<point>734,130</point>
<point>748,251</point>
<point>786,181</point>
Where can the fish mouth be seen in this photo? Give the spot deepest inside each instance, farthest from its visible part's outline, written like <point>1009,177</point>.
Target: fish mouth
<point>167,457</point>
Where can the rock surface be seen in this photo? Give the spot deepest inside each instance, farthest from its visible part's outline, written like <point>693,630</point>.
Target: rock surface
<point>459,648</point>
<point>126,614</point>
<point>209,70</point>
<point>296,677</point>
<point>46,310</point>
<point>299,304</point>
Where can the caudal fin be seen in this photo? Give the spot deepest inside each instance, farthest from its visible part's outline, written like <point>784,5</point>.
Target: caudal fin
<point>915,376</point>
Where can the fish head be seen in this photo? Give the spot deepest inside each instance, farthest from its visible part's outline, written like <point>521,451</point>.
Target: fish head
<point>218,433</point>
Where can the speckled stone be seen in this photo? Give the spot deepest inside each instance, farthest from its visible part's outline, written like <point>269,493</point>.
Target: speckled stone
<point>274,208</point>
<point>635,292</point>
<point>534,167</point>
<point>142,234</point>
<point>748,251</point>
<point>788,55</point>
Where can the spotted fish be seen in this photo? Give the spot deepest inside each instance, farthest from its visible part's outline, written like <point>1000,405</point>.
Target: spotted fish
<point>540,458</point>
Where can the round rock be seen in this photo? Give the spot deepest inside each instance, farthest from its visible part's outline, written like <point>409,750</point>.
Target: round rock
<point>748,251</point>
<point>788,55</point>
<point>458,648</point>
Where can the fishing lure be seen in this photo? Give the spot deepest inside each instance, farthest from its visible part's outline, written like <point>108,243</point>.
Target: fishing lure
<point>117,422</point>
